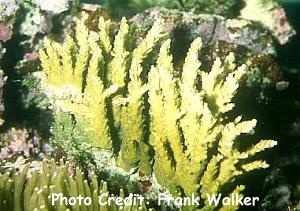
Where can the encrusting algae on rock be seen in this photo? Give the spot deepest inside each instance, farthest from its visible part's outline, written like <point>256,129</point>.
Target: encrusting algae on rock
<point>167,123</point>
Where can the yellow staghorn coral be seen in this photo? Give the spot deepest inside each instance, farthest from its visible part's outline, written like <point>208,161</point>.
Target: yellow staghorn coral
<point>171,122</point>
<point>64,81</point>
<point>187,122</point>
<point>89,69</point>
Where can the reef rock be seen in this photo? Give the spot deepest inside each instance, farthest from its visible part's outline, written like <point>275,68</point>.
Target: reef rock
<point>2,80</point>
<point>210,28</point>
<point>271,15</point>
<point>249,40</point>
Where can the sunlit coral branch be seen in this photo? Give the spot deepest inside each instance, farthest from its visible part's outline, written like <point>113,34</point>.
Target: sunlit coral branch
<point>89,69</point>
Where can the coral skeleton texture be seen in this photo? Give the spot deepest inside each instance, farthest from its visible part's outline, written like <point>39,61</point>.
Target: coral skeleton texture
<point>167,121</point>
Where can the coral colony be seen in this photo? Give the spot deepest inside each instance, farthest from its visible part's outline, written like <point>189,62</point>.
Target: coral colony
<point>85,75</point>
<point>143,112</point>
